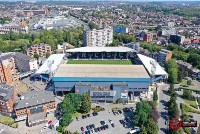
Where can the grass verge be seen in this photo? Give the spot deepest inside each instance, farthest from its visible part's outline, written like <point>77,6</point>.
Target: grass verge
<point>186,109</point>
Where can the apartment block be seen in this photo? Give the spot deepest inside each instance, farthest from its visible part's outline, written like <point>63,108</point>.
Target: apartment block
<point>5,29</point>
<point>8,96</point>
<point>164,55</point>
<point>34,106</point>
<point>40,49</point>
<point>98,37</point>
<point>7,69</point>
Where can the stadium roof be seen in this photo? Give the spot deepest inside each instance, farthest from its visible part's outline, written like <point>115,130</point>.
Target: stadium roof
<point>146,62</point>
<point>101,49</point>
<point>101,71</point>
<point>55,59</point>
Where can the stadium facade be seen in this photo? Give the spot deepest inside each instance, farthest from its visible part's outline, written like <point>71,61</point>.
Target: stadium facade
<point>103,82</point>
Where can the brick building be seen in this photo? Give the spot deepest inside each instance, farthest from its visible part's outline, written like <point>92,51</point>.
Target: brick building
<point>34,107</point>
<point>7,69</point>
<point>8,96</point>
<point>40,49</point>
<point>164,55</point>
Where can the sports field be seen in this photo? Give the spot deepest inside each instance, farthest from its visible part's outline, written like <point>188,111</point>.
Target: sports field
<point>109,62</point>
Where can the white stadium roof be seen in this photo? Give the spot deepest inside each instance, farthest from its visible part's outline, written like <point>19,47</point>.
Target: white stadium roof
<point>55,60</point>
<point>146,62</point>
<point>101,49</point>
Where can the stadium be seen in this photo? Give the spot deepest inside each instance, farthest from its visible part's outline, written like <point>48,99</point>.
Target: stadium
<point>106,73</point>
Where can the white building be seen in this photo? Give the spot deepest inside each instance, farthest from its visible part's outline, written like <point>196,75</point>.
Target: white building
<point>98,37</point>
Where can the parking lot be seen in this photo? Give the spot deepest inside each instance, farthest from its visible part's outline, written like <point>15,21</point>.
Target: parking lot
<point>105,116</point>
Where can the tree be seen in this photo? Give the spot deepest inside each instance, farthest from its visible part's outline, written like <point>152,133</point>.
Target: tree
<point>36,56</point>
<point>142,113</point>
<point>155,96</point>
<point>143,130</point>
<point>120,100</point>
<point>92,25</point>
<point>36,41</point>
<point>172,69</point>
<point>151,127</point>
<point>86,103</point>
<point>189,82</point>
<point>47,55</point>
<point>188,95</point>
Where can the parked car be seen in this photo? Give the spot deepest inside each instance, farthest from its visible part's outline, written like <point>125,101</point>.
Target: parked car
<point>82,129</point>
<point>88,127</point>
<point>120,111</point>
<point>95,129</point>
<point>134,130</point>
<point>110,121</point>
<point>88,115</point>
<point>113,125</point>
<point>102,122</point>
<point>191,116</point>
<point>99,129</point>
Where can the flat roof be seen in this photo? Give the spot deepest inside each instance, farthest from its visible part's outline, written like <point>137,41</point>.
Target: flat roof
<point>101,49</point>
<point>101,71</point>
<point>54,60</point>
<point>147,63</point>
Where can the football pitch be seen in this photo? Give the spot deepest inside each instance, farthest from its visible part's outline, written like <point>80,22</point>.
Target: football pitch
<point>108,62</point>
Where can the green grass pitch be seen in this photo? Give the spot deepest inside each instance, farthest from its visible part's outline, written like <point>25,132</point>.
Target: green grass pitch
<point>108,62</point>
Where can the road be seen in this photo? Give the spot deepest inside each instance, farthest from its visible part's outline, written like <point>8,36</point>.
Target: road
<point>163,100</point>
<point>7,130</point>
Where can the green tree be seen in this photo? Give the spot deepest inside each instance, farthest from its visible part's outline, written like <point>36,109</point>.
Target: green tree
<point>151,127</point>
<point>172,69</point>
<point>36,56</point>
<point>155,96</point>
<point>188,95</point>
<point>36,41</point>
<point>47,55</point>
<point>143,130</point>
<point>189,82</point>
<point>92,25</point>
<point>86,103</point>
<point>142,113</point>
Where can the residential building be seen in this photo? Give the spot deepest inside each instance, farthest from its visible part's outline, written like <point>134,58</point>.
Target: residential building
<point>5,29</point>
<point>98,37</point>
<point>40,49</point>
<point>7,69</point>
<point>178,39</point>
<point>34,106</point>
<point>8,96</point>
<point>25,63</point>
<point>148,37</point>
<point>120,29</point>
<point>29,13</point>
<point>164,55</point>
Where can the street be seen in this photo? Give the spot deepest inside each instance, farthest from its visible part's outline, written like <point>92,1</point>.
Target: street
<point>163,99</point>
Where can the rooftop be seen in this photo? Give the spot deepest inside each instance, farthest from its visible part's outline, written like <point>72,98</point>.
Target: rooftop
<point>101,71</point>
<point>101,49</point>
<point>7,92</point>
<point>54,60</point>
<point>34,98</point>
<point>147,63</point>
